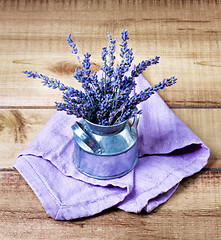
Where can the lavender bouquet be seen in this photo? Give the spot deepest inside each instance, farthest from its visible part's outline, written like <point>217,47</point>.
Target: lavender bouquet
<point>106,100</point>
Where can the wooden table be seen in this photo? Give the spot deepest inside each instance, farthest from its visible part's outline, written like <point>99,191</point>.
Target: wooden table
<point>186,34</point>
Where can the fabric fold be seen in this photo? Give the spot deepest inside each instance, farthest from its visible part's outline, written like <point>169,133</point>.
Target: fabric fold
<point>168,152</point>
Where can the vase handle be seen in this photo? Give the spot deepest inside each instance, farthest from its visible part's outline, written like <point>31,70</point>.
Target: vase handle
<point>134,124</point>
<point>82,137</point>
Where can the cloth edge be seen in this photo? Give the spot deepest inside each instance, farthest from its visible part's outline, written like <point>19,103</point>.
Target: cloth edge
<point>48,201</point>
<point>196,166</point>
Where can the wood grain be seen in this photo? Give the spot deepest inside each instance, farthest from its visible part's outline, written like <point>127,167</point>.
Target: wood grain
<point>19,127</point>
<point>186,34</point>
<point>193,212</point>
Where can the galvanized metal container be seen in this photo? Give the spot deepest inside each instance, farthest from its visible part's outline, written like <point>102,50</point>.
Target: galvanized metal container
<point>105,152</point>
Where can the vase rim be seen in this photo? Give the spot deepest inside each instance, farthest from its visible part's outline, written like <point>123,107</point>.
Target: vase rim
<point>105,126</point>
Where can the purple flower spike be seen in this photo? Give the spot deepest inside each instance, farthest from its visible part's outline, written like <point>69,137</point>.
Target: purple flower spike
<point>108,100</point>
<point>72,44</point>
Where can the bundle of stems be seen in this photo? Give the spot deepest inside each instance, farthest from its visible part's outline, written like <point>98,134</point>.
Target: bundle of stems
<point>106,100</point>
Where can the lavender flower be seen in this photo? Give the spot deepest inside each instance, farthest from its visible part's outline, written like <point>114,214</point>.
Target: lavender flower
<point>126,54</point>
<point>72,45</point>
<point>50,82</point>
<point>108,100</point>
<point>144,95</point>
<point>86,64</point>
<point>143,66</point>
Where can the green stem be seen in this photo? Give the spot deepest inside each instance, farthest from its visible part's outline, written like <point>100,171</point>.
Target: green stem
<point>119,117</point>
<point>118,93</point>
<point>91,102</point>
<point>105,91</point>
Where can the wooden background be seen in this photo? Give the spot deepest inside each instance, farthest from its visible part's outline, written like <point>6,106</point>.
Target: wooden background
<point>186,34</point>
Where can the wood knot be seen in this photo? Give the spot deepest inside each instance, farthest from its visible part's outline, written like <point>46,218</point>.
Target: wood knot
<point>68,68</point>
<point>15,123</point>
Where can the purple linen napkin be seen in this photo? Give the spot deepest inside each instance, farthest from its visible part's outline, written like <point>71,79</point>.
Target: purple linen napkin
<point>168,152</point>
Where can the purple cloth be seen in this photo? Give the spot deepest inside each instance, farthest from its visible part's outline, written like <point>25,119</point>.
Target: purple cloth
<point>168,152</point>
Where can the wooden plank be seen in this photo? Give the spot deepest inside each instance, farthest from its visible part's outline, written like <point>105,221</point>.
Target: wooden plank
<point>186,34</point>
<point>19,127</point>
<point>193,212</point>
<point>205,123</point>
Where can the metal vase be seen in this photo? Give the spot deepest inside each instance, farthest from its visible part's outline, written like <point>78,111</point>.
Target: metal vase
<point>105,152</point>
